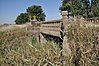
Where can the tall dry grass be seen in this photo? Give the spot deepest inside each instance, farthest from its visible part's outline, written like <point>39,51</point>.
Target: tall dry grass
<point>19,48</point>
<point>84,44</point>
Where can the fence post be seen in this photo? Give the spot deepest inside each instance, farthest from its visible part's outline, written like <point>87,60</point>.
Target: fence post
<point>66,49</point>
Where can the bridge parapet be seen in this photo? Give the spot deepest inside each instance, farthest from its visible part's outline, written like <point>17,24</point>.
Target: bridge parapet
<point>58,28</point>
<point>92,20</point>
<point>52,27</point>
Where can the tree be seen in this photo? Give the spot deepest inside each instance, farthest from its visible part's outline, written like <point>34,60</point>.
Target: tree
<point>73,6</point>
<point>95,8</point>
<point>85,8</point>
<point>81,7</point>
<point>36,11</point>
<point>22,18</point>
<point>65,5</point>
<point>92,2</point>
<point>76,7</point>
<point>31,11</point>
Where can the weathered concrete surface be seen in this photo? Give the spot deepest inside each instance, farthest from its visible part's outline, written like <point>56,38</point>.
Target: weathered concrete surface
<point>42,39</point>
<point>66,49</point>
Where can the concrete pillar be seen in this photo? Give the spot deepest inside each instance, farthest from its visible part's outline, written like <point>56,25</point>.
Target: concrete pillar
<point>64,17</point>
<point>42,39</point>
<point>36,31</point>
<point>66,48</point>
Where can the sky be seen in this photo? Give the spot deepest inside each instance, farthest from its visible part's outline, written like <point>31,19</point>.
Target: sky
<point>10,9</point>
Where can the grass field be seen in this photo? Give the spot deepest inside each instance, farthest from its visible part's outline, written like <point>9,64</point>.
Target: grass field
<point>19,47</point>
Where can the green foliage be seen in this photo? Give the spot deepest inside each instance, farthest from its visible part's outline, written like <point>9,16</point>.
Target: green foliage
<point>31,11</point>
<point>81,7</point>
<point>95,8</point>
<point>76,7</point>
<point>36,11</point>
<point>22,18</point>
<point>85,8</point>
<point>66,4</point>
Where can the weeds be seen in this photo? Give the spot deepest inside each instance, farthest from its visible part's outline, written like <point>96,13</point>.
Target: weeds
<point>84,43</point>
<point>20,48</point>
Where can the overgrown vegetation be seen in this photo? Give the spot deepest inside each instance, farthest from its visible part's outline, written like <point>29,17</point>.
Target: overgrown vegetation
<point>83,8</point>
<point>22,18</point>
<point>19,48</point>
<point>36,11</point>
<point>84,44</point>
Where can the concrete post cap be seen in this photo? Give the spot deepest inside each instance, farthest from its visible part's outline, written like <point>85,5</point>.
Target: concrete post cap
<point>64,13</point>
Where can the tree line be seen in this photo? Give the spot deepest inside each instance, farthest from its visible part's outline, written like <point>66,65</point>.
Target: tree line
<point>84,8</point>
<point>31,11</point>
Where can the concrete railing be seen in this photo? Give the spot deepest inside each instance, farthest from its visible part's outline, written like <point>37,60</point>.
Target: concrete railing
<point>57,28</point>
<point>92,20</point>
<point>52,27</point>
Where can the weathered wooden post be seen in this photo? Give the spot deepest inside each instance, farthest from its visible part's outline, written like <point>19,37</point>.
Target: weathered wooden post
<point>66,49</point>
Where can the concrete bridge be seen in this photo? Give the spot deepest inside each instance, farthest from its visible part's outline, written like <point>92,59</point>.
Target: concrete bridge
<point>48,29</point>
<point>56,30</point>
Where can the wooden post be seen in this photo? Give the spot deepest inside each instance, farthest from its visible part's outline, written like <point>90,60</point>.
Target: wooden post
<point>66,49</point>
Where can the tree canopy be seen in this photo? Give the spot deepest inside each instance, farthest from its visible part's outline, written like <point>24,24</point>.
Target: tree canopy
<point>31,11</point>
<point>81,7</point>
<point>95,8</point>
<point>36,11</point>
<point>22,18</point>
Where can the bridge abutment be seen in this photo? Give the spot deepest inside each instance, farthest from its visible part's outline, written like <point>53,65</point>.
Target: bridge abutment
<point>42,39</point>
